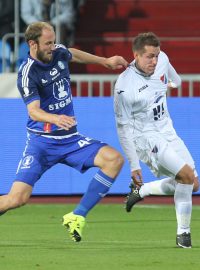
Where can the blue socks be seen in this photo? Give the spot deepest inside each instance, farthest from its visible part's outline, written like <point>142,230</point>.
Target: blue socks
<point>97,189</point>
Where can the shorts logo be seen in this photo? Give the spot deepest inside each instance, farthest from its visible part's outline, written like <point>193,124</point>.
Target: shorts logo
<point>26,162</point>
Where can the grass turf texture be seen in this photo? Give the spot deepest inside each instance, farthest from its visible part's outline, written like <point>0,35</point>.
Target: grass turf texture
<point>32,238</point>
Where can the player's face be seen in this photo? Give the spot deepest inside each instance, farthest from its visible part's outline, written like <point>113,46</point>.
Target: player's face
<point>147,61</point>
<point>44,51</point>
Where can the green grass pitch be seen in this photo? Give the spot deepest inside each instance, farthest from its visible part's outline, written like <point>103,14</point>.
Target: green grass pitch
<point>32,237</point>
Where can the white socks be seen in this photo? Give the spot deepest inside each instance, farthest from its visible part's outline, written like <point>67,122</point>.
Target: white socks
<point>182,199</point>
<point>165,186</point>
<point>183,206</point>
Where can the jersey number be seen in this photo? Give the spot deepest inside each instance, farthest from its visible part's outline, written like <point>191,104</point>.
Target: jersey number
<point>158,112</point>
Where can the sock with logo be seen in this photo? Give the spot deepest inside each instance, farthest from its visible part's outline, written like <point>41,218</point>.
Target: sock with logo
<point>97,189</point>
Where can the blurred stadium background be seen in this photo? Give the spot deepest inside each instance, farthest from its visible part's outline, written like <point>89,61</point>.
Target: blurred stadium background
<point>106,28</point>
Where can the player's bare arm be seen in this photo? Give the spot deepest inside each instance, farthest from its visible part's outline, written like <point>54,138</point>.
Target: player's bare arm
<point>114,62</point>
<point>37,114</point>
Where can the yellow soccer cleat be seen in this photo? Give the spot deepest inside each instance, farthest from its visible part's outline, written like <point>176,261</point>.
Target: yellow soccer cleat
<point>74,224</point>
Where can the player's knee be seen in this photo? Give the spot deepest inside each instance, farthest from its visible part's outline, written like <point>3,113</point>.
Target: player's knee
<point>109,161</point>
<point>186,175</point>
<point>117,160</point>
<point>113,163</point>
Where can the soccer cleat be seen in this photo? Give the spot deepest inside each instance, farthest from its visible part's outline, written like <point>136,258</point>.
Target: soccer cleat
<point>132,198</point>
<point>74,224</point>
<point>184,240</point>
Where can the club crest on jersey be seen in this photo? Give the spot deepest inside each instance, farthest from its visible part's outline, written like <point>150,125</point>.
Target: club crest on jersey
<point>60,89</point>
<point>61,65</point>
<point>163,78</point>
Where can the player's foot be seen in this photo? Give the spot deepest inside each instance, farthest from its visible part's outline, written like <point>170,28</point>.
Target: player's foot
<point>74,224</point>
<point>132,198</point>
<point>184,240</point>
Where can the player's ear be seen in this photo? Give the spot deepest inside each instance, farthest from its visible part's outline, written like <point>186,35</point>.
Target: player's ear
<point>135,54</point>
<point>32,44</point>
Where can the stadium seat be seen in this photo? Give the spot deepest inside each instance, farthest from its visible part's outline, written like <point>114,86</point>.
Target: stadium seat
<point>7,56</point>
<point>23,51</point>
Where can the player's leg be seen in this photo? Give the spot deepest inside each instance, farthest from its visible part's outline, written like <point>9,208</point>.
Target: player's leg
<point>161,187</point>
<point>31,166</point>
<point>185,177</point>
<point>183,205</point>
<point>110,163</point>
<point>167,185</point>
<point>164,186</point>
<point>18,196</point>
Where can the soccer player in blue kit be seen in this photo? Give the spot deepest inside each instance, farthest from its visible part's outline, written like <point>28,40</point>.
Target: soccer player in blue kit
<point>44,84</point>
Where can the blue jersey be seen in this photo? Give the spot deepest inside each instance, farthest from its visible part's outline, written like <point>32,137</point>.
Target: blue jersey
<point>49,83</point>
<point>48,144</point>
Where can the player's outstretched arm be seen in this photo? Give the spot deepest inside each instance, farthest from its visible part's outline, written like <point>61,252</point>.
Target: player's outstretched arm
<point>114,62</point>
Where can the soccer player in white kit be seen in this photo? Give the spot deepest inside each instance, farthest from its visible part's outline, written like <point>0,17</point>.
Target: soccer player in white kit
<point>146,132</point>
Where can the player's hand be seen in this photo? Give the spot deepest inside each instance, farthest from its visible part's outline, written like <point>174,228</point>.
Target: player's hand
<point>116,62</point>
<point>137,178</point>
<point>64,121</point>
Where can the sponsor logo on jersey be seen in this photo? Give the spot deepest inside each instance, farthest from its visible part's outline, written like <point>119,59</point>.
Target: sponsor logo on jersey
<point>61,92</point>
<point>143,88</point>
<point>61,104</point>
<point>53,72</point>
<point>60,89</point>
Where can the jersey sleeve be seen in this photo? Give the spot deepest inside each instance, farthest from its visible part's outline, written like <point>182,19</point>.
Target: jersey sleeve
<point>121,107</point>
<point>64,49</point>
<point>174,78</point>
<point>125,135</point>
<point>27,83</point>
<point>123,125</point>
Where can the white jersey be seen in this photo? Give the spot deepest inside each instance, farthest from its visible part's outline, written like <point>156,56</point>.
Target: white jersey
<point>140,105</point>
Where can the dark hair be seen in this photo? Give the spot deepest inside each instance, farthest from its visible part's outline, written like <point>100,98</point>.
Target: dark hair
<point>145,39</point>
<point>34,30</point>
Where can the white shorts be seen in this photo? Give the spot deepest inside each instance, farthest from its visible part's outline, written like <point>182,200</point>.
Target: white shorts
<point>165,155</point>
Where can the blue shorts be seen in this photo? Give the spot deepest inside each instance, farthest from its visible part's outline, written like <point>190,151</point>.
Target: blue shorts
<point>42,153</point>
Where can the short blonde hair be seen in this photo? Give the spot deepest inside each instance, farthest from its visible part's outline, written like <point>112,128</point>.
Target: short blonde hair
<point>34,30</point>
